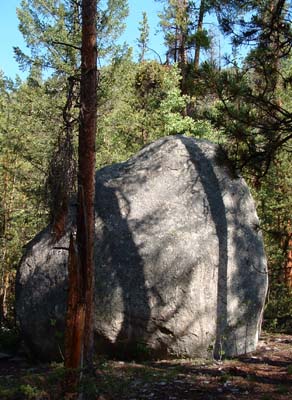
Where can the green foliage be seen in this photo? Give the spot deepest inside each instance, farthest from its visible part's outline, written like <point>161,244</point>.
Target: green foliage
<point>144,36</point>
<point>279,309</point>
<point>283,389</point>
<point>43,24</point>
<point>251,109</point>
<point>266,397</point>
<point>31,392</point>
<point>179,18</point>
<point>202,39</point>
<point>52,31</point>
<point>274,200</point>
<point>138,104</point>
<point>8,393</point>
<point>9,339</point>
<point>29,123</point>
<point>142,351</point>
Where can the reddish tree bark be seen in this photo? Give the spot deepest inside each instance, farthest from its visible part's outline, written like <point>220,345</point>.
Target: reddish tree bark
<point>288,264</point>
<point>80,311</point>
<point>86,167</point>
<point>287,249</point>
<point>74,322</point>
<point>73,305</point>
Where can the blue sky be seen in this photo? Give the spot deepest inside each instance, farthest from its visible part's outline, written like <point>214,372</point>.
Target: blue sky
<point>10,36</point>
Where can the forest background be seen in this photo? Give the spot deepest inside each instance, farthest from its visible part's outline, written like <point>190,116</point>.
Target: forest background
<point>223,73</point>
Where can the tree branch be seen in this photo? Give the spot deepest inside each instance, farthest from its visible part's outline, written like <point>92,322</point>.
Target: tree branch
<point>67,45</point>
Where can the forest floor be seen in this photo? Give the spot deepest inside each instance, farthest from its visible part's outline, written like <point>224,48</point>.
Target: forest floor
<point>265,374</point>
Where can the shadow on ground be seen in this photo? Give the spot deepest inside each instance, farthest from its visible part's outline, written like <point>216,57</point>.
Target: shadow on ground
<point>263,375</point>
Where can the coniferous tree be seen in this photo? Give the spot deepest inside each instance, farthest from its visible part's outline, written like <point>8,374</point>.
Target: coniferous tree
<point>177,27</point>
<point>201,14</point>
<point>143,39</point>
<point>52,31</point>
<point>80,313</point>
<point>252,113</point>
<point>29,121</point>
<point>86,167</point>
<point>182,24</point>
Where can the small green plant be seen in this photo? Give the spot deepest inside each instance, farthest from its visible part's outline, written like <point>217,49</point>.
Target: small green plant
<point>282,389</point>
<point>8,393</point>
<point>31,392</point>
<point>89,387</point>
<point>211,349</point>
<point>251,378</point>
<point>58,374</point>
<point>225,378</point>
<point>266,397</point>
<point>57,365</point>
<point>142,350</point>
<point>9,338</point>
<point>53,322</point>
<point>289,369</point>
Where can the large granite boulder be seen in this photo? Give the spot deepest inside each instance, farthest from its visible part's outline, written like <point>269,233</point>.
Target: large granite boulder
<point>180,263</point>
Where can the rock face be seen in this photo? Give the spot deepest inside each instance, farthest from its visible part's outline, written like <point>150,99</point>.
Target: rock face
<point>180,263</point>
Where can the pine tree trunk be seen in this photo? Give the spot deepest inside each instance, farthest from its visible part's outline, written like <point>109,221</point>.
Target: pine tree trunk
<point>5,284</point>
<point>86,167</point>
<point>287,249</point>
<point>288,265</point>
<point>181,51</point>
<point>80,311</point>
<point>6,273</point>
<point>74,323</point>
<point>199,28</point>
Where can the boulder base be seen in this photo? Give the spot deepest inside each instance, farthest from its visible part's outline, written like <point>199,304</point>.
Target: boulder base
<point>180,263</point>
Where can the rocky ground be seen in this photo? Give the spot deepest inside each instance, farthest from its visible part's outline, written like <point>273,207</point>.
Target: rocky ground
<point>263,375</point>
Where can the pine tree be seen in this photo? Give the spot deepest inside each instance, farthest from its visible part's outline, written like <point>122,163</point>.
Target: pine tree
<point>254,113</point>
<point>199,30</point>
<point>143,40</point>
<point>52,33</point>
<point>52,29</point>
<point>29,121</point>
<point>257,122</point>
<point>182,24</point>
<point>80,311</point>
<point>176,26</point>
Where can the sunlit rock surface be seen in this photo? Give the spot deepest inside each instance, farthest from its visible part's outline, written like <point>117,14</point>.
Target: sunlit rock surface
<point>180,263</point>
